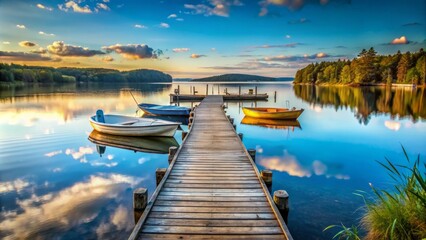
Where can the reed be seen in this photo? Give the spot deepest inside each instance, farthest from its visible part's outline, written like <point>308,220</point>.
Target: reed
<point>399,213</point>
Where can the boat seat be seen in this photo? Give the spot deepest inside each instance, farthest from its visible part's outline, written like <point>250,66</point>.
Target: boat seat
<point>129,122</point>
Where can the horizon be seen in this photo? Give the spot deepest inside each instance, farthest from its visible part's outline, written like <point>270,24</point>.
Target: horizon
<point>194,39</point>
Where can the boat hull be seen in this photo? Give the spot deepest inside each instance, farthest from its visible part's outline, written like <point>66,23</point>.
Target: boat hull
<point>139,131</point>
<point>158,145</point>
<point>131,126</point>
<point>284,115</point>
<point>271,123</point>
<point>159,110</point>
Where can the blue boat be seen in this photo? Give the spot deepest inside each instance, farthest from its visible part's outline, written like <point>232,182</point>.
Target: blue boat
<point>164,110</point>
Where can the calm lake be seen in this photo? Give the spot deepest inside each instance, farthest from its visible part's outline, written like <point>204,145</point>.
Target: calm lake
<point>57,184</point>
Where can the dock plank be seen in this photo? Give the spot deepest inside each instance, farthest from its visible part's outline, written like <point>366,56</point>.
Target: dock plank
<point>212,189</point>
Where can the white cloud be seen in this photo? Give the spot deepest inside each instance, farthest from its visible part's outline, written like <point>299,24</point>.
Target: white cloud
<point>401,40</point>
<point>102,6</point>
<point>194,55</point>
<point>213,7</point>
<point>393,125</point>
<point>140,26</point>
<point>41,6</point>
<point>21,26</point>
<point>287,36</point>
<point>75,7</point>
<point>27,44</point>
<point>62,49</point>
<point>172,16</point>
<point>180,50</point>
<point>133,51</point>
<point>164,25</point>
<point>13,186</point>
<point>46,34</point>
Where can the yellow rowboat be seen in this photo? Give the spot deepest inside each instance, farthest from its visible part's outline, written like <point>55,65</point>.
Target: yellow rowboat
<point>273,113</point>
<point>271,123</point>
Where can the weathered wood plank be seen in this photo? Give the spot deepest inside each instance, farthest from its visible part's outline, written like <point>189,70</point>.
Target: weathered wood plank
<point>212,189</point>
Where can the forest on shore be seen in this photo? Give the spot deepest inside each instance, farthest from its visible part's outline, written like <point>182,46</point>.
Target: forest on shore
<point>368,68</point>
<point>14,74</point>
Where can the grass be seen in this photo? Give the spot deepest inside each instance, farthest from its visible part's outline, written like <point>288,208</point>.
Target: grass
<point>397,214</point>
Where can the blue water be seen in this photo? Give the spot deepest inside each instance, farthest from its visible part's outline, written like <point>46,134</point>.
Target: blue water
<point>55,184</point>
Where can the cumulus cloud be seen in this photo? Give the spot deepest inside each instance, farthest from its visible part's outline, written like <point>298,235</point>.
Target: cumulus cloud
<point>401,40</point>
<point>180,50</point>
<point>102,6</point>
<point>46,34</point>
<point>197,55</point>
<point>213,7</point>
<point>134,51</point>
<point>140,26</point>
<point>20,26</point>
<point>71,5</point>
<point>22,56</point>
<point>164,25</point>
<point>41,6</point>
<point>61,49</point>
<point>27,44</point>
<point>172,16</point>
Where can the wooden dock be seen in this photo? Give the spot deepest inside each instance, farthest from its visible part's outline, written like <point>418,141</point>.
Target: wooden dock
<point>228,97</point>
<point>212,188</point>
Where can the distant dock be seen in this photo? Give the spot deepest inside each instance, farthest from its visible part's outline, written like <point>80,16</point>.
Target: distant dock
<point>212,188</point>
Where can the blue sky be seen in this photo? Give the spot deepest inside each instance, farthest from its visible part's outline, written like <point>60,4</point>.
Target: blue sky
<point>199,38</point>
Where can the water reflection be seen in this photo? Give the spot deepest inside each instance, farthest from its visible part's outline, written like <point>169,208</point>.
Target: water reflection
<point>37,215</point>
<point>140,144</point>
<point>272,123</point>
<point>288,163</point>
<point>364,101</point>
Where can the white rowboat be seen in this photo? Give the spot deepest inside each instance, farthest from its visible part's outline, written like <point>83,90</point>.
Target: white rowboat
<point>133,126</point>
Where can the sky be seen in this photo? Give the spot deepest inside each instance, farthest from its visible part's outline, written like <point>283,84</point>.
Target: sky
<point>187,38</point>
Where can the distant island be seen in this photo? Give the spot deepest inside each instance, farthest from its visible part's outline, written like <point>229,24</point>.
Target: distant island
<point>15,74</point>
<point>236,78</point>
<point>367,69</point>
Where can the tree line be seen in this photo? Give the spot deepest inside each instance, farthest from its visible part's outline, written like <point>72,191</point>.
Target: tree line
<point>368,68</point>
<point>14,73</point>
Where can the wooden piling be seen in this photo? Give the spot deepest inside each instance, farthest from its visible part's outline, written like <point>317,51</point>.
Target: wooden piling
<point>255,90</point>
<point>207,89</point>
<point>239,90</point>
<point>281,198</point>
<point>252,153</point>
<point>159,174</point>
<point>275,96</point>
<point>140,199</point>
<point>266,176</point>
<point>240,135</point>
<point>184,134</point>
<point>178,92</point>
<point>172,152</point>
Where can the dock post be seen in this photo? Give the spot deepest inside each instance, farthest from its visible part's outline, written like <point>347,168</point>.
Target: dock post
<point>239,90</point>
<point>172,152</point>
<point>184,135</point>
<point>178,91</point>
<point>190,89</point>
<point>252,153</point>
<point>159,174</point>
<point>281,201</point>
<point>275,96</point>
<point>241,136</point>
<point>193,90</point>
<point>255,90</point>
<point>140,199</point>
<point>266,176</point>
<point>207,89</point>
<point>218,89</point>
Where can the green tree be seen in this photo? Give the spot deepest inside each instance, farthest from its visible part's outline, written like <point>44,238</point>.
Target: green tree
<point>6,76</point>
<point>403,66</point>
<point>421,69</point>
<point>346,74</point>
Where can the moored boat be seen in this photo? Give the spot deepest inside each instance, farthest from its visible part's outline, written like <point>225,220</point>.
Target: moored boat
<point>132,126</point>
<point>273,113</point>
<point>141,144</point>
<point>164,110</point>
